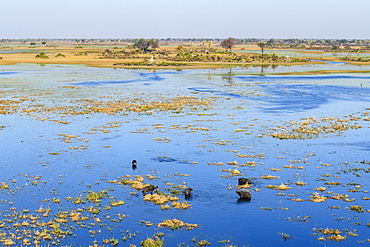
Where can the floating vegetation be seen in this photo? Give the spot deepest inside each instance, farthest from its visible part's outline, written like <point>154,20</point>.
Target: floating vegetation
<point>181,205</point>
<point>300,219</point>
<point>335,234</point>
<point>134,183</point>
<point>274,169</point>
<point>316,197</point>
<point>320,189</point>
<point>312,127</point>
<point>4,185</point>
<point>333,183</point>
<point>96,196</point>
<point>157,199</point>
<point>116,203</point>
<point>235,172</point>
<point>296,199</point>
<point>177,224</point>
<point>300,183</point>
<point>336,238</point>
<point>203,243</point>
<point>268,177</point>
<point>165,207</point>
<point>266,208</point>
<point>111,241</point>
<point>244,186</point>
<point>356,208</point>
<point>280,187</point>
<point>150,242</point>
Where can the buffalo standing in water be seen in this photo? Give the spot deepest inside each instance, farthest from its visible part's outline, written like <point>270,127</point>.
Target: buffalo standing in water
<point>149,188</point>
<point>188,192</point>
<point>134,163</point>
<point>245,196</point>
<point>243,181</point>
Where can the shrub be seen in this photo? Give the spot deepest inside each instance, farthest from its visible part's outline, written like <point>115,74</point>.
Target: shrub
<point>60,55</point>
<point>81,54</point>
<point>42,55</point>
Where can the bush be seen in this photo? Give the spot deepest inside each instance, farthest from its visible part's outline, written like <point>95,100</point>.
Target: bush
<point>60,55</point>
<point>356,59</point>
<point>149,242</point>
<point>42,55</point>
<point>146,63</point>
<point>81,54</point>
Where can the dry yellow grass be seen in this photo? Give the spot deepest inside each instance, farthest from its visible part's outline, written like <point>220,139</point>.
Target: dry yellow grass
<point>94,58</point>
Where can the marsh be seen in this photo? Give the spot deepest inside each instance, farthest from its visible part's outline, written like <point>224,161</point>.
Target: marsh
<point>72,130</point>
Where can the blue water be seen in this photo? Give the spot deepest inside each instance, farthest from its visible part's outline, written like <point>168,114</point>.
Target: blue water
<point>329,62</point>
<point>8,73</point>
<point>301,78</point>
<point>201,141</point>
<point>143,77</point>
<point>304,53</point>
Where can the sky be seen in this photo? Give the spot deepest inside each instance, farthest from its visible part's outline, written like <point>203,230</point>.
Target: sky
<point>317,19</point>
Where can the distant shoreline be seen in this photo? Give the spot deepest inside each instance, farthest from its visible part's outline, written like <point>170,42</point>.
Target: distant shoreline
<point>163,57</point>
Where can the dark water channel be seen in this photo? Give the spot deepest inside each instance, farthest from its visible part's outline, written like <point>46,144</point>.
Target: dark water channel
<point>195,147</point>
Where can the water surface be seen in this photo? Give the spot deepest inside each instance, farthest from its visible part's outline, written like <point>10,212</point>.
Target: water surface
<point>194,146</point>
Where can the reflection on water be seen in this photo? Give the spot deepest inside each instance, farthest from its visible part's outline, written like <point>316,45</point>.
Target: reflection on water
<point>57,159</point>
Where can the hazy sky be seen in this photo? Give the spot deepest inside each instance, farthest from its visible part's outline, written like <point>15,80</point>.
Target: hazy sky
<point>348,19</point>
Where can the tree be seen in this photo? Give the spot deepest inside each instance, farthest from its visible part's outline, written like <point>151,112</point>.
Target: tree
<point>262,45</point>
<point>228,43</point>
<point>144,44</point>
<point>270,42</point>
<point>154,43</point>
<point>342,41</point>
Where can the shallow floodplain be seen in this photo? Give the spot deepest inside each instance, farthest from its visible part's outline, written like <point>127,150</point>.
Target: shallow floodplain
<point>70,133</point>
